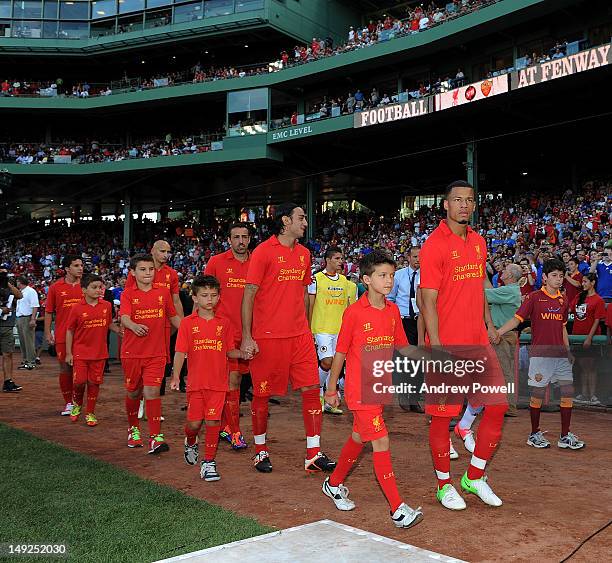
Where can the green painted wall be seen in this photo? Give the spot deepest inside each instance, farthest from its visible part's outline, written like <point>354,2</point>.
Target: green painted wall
<point>305,19</point>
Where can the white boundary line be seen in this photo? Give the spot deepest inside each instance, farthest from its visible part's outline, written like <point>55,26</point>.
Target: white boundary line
<point>374,537</point>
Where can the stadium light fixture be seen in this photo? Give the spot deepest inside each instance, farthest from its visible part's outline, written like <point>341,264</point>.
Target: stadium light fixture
<point>246,46</point>
<point>524,173</point>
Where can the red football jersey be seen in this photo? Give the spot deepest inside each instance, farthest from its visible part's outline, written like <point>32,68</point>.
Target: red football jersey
<point>282,274</point>
<point>89,325</point>
<point>164,277</point>
<point>594,307</point>
<point>367,334</point>
<point>548,315</point>
<point>232,275</point>
<point>61,298</point>
<point>572,292</point>
<point>456,269</point>
<point>152,308</point>
<point>206,343</point>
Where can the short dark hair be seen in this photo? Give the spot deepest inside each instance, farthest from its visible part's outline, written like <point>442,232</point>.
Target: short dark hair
<point>69,259</point>
<point>21,279</point>
<point>282,210</point>
<point>375,258</point>
<point>574,260</point>
<point>238,225</point>
<point>203,281</point>
<point>137,258</point>
<point>553,265</point>
<point>331,251</point>
<point>456,184</point>
<point>90,278</point>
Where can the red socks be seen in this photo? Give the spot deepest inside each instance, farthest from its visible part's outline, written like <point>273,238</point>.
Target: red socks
<point>440,448</point>
<point>259,417</point>
<point>487,440</point>
<point>191,435</point>
<point>65,381</point>
<point>386,478</point>
<point>153,410</point>
<point>131,408</point>
<point>93,391</point>
<point>231,410</point>
<point>566,417</point>
<point>534,413</point>
<point>77,394</point>
<point>348,457</point>
<point>211,440</point>
<point>313,418</point>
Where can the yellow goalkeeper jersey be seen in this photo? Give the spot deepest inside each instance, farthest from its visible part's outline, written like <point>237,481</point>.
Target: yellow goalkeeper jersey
<point>331,299</point>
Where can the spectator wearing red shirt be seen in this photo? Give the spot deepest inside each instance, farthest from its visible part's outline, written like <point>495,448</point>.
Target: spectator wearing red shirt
<point>549,363</point>
<point>86,346</point>
<point>527,281</point>
<point>589,310</point>
<point>206,339</point>
<point>231,268</point>
<point>453,270</point>
<point>144,312</point>
<point>384,324</point>
<point>572,283</point>
<point>275,329</point>
<point>64,294</point>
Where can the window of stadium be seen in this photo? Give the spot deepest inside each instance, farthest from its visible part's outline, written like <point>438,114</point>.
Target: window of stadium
<point>27,9</point>
<point>248,5</point>
<point>157,3</point>
<point>103,8</point>
<point>130,6</point>
<point>5,8</point>
<point>188,12</point>
<point>214,8</point>
<point>73,30</point>
<point>50,9</point>
<point>30,29</point>
<point>247,112</point>
<point>74,11</point>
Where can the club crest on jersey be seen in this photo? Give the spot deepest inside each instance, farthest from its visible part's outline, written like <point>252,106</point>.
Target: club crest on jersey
<point>229,271</point>
<point>367,327</point>
<point>219,330</point>
<point>281,260</point>
<point>478,253</point>
<point>212,411</point>
<point>135,301</point>
<point>160,298</point>
<point>263,386</point>
<point>219,346</point>
<point>454,255</point>
<point>302,259</point>
<point>167,277</point>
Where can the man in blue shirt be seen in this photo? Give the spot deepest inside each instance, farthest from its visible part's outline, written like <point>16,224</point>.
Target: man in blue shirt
<point>403,294</point>
<point>603,268</point>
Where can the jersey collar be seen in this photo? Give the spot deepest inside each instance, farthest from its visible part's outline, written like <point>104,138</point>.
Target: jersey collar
<point>555,296</point>
<point>447,230</point>
<point>365,302</point>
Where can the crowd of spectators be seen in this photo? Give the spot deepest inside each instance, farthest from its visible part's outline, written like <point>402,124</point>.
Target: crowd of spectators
<point>417,19</point>
<point>93,151</point>
<point>519,228</point>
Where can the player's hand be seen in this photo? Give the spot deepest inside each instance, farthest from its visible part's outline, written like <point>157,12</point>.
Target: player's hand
<point>140,330</point>
<point>332,398</point>
<point>246,355</point>
<point>50,338</point>
<point>69,359</point>
<point>32,323</point>
<point>175,383</point>
<point>587,342</point>
<point>249,345</point>
<point>571,357</point>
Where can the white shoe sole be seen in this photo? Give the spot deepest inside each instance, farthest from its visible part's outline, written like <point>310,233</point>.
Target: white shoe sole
<point>414,522</point>
<point>566,446</point>
<point>536,446</point>
<point>211,479</point>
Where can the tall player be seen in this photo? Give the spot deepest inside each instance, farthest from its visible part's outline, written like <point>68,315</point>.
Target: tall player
<point>329,295</point>
<point>64,294</point>
<point>453,263</point>
<point>275,328</point>
<point>167,277</point>
<point>231,268</point>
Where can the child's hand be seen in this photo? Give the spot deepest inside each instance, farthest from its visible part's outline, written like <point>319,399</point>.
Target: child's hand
<point>175,383</point>
<point>246,355</point>
<point>69,359</point>
<point>332,398</point>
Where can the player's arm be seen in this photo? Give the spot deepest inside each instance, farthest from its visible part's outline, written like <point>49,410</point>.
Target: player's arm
<point>306,301</point>
<point>420,319</point>
<point>311,303</point>
<point>331,395</point>
<point>237,354</point>
<point>589,337</point>
<point>248,300</point>
<point>509,325</point>
<point>178,306</point>
<point>491,330</point>
<point>175,320</point>
<point>569,279</point>
<point>429,311</point>
<point>177,366</point>
<point>49,336</point>
<point>69,338</point>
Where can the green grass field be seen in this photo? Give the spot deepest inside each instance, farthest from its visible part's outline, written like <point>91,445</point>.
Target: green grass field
<point>102,513</point>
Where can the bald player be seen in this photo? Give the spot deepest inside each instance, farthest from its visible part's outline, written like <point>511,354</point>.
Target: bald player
<point>167,277</point>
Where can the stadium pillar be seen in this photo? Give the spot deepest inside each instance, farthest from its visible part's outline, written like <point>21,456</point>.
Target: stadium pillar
<point>128,222</point>
<point>96,212</point>
<point>472,174</point>
<point>310,208</point>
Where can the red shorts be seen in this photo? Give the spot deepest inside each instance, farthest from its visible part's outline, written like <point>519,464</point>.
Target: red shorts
<point>205,404</point>
<point>241,366</point>
<point>369,424</point>
<point>143,371</point>
<point>88,371</point>
<point>283,360</point>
